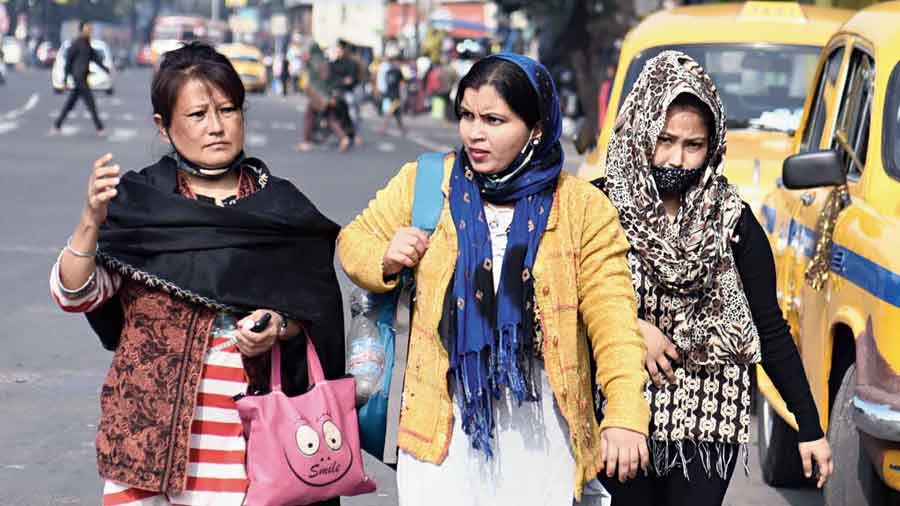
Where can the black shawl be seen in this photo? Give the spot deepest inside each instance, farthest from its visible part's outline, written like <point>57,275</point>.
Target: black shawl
<point>272,249</point>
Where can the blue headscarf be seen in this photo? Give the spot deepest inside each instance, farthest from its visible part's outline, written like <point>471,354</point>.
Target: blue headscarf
<point>491,338</point>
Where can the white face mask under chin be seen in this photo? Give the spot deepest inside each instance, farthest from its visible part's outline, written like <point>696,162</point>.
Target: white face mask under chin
<point>213,172</point>
<point>529,147</point>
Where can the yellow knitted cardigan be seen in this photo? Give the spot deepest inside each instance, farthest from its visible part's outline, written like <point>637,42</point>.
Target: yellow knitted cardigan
<point>582,283</point>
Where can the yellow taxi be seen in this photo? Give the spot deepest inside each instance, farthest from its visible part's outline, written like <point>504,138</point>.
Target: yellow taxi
<point>248,62</point>
<point>761,55</point>
<point>834,224</point>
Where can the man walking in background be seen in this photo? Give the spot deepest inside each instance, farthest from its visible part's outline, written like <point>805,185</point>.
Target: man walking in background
<point>78,61</point>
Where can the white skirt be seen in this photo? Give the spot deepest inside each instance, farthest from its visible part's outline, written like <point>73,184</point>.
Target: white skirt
<point>533,464</point>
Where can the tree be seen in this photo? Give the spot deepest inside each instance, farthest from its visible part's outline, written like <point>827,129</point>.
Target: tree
<point>580,34</point>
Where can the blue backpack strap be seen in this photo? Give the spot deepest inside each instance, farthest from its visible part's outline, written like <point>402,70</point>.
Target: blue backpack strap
<point>428,200</point>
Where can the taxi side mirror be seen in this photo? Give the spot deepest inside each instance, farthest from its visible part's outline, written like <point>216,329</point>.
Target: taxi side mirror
<point>813,170</point>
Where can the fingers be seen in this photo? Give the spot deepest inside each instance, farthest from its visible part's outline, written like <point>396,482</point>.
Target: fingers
<point>406,249</point>
<point>103,160</point>
<point>826,466</point>
<point>612,459</point>
<point>672,352</point>
<point>107,171</point>
<point>644,454</point>
<point>655,376</point>
<point>666,367</point>
<point>603,448</point>
<point>103,184</point>
<point>251,343</point>
<point>623,464</point>
<point>806,458</point>
<point>634,462</point>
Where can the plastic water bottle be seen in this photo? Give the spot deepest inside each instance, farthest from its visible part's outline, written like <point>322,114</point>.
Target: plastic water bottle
<point>367,354</point>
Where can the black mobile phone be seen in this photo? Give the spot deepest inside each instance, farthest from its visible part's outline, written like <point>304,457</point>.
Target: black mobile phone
<point>262,323</point>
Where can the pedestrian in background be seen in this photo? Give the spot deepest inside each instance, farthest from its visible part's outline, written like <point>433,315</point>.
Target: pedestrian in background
<point>174,265</point>
<point>392,97</point>
<point>705,278</point>
<point>284,74</point>
<point>78,61</point>
<point>524,278</point>
<point>2,67</point>
<point>320,104</point>
<point>345,75</point>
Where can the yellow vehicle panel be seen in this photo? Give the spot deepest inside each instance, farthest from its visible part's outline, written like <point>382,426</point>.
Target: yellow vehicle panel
<point>854,317</point>
<point>755,152</point>
<point>248,62</point>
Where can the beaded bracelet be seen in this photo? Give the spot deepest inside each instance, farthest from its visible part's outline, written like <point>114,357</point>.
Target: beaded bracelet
<point>79,254</point>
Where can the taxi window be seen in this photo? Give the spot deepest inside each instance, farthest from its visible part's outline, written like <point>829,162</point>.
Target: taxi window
<point>824,93</point>
<point>891,129</point>
<point>763,87</point>
<point>851,137</point>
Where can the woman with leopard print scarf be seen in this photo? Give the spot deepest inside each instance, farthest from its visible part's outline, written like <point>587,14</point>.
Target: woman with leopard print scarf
<point>705,279</point>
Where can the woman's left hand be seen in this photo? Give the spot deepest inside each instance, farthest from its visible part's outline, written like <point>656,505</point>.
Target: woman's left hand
<point>623,451</point>
<point>252,343</point>
<point>818,451</point>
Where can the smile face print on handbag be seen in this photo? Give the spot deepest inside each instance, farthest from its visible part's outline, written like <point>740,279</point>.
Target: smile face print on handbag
<point>321,456</point>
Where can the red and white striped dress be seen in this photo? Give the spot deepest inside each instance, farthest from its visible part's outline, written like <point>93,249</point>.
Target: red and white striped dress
<point>216,470</point>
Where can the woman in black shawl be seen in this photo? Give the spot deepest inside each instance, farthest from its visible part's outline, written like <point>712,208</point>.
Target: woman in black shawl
<point>174,265</point>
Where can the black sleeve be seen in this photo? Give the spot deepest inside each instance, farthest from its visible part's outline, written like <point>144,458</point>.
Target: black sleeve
<point>71,54</point>
<point>95,57</point>
<point>780,358</point>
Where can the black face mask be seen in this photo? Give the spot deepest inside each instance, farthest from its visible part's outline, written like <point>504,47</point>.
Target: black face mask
<point>673,181</point>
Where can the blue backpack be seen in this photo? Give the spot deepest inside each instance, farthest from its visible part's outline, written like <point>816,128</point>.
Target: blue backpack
<point>379,417</point>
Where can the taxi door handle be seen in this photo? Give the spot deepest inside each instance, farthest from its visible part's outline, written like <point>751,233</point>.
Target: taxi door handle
<point>808,199</point>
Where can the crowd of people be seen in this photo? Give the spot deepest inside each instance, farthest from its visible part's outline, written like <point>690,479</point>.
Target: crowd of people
<point>652,287</point>
<point>339,83</point>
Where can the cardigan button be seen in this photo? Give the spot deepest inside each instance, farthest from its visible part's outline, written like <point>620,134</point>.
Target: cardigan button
<point>546,290</point>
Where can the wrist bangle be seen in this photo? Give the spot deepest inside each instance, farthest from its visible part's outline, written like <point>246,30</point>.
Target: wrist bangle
<point>79,254</point>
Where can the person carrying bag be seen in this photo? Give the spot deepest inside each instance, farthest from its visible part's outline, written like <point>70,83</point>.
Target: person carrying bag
<point>303,449</point>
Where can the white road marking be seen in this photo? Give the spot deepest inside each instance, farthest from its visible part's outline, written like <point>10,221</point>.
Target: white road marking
<point>256,140</point>
<point>288,125</point>
<point>70,130</point>
<point>7,126</point>
<point>86,115</point>
<point>386,147</point>
<point>34,250</point>
<point>123,134</point>
<point>127,117</point>
<point>422,141</point>
<point>29,105</point>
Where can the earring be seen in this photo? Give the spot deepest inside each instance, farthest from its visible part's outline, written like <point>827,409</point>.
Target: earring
<point>536,141</point>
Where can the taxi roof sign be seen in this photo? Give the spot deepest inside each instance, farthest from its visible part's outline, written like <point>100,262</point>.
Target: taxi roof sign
<point>772,12</point>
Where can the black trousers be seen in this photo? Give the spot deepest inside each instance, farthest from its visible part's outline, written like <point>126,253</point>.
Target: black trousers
<point>87,96</point>
<point>674,489</point>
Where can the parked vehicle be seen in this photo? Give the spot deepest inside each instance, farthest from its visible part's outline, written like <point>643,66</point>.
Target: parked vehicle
<point>170,31</point>
<point>762,57</point>
<point>98,80</point>
<point>46,53</point>
<point>248,62</point>
<point>833,225</point>
<point>12,51</point>
<point>144,56</point>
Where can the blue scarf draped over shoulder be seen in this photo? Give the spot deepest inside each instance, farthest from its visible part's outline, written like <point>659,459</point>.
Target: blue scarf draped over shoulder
<point>490,337</point>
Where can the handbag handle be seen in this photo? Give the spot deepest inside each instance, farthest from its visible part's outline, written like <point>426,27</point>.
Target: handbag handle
<point>314,366</point>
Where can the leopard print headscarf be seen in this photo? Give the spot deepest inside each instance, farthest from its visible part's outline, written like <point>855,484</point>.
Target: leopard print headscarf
<point>691,257</point>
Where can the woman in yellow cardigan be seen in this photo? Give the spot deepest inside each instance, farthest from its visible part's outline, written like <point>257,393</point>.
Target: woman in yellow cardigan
<point>524,276</point>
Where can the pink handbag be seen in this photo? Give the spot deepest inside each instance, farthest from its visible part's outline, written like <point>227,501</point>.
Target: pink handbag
<point>303,449</point>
